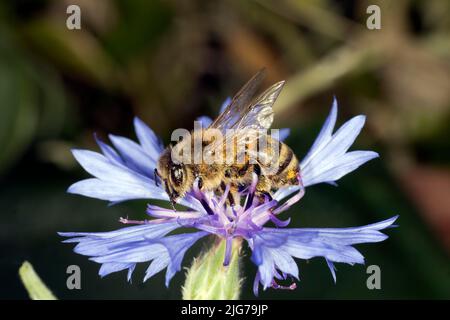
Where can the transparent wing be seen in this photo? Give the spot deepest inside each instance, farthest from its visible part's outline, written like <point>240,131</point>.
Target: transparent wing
<point>239,104</point>
<point>259,114</point>
<point>253,122</point>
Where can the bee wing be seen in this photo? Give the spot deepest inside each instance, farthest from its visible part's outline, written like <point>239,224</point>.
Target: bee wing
<point>252,121</point>
<point>238,106</point>
<point>259,114</point>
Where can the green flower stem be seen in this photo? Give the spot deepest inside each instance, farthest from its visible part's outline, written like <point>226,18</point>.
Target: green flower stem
<point>209,279</point>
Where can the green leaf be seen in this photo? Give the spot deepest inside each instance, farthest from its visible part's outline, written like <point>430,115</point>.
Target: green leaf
<point>37,290</point>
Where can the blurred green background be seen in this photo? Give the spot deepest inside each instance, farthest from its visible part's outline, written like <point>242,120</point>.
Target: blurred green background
<point>171,61</point>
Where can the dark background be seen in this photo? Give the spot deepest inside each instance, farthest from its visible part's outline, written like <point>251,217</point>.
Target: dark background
<point>171,61</point>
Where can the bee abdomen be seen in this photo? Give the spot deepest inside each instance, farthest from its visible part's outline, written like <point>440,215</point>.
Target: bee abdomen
<point>288,167</point>
<point>285,158</point>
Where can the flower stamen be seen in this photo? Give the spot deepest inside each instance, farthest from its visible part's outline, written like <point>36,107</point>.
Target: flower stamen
<point>292,286</point>
<point>127,221</point>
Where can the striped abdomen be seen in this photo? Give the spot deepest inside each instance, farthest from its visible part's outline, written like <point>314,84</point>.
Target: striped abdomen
<point>276,169</point>
<point>288,168</point>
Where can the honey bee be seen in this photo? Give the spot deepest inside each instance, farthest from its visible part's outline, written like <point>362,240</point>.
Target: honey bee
<point>249,118</point>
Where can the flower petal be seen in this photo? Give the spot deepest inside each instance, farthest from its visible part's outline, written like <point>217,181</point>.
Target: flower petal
<point>116,191</point>
<point>134,156</point>
<point>205,121</point>
<point>284,192</point>
<point>284,133</point>
<point>150,143</point>
<point>115,182</point>
<point>177,246</point>
<point>100,167</point>
<point>328,160</point>
<point>272,247</point>
<point>270,259</point>
<point>332,269</point>
<point>324,135</point>
<point>347,163</point>
<point>109,152</point>
<point>127,174</point>
<point>122,249</point>
<point>157,265</point>
<point>108,268</point>
<point>96,244</point>
<point>224,105</point>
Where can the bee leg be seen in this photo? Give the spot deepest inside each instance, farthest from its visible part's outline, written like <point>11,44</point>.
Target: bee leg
<point>156,177</point>
<point>257,169</point>
<point>230,199</point>
<point>263,189</point>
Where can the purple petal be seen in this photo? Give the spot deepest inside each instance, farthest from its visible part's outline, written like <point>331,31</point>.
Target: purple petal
<point>122,249</point>
<point>225,105</point>
<point>134,156</point>
<point>291,201</point>
<point>332,269</point>
<point>157,265</point>
<point>205,121</point>
<point>325,133</point>
<point>132,252</point>
<point>116,191</point>
<point>118,183</point>
<point>109,152</point>
<point>272,259</point>
<point>256,284</point>
<point>130,272</point>
<point>328,159</point>
<point>347,163</point>
<point>278,222</point>
<point>100,167</point>
<point>177,246</point>
<point>104,243</point>
<point>284,133</point>
<point>108,268</point>
<point>228,247</point>
<point>149,141</point>
<point>342,139</point>
<point>159,212</point>
<point>272,247</point>
<point>284,192</point>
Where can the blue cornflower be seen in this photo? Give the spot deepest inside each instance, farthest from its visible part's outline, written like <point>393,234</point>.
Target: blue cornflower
<point>125,172</point>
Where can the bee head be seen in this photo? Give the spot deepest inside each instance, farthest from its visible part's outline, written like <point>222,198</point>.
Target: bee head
<point>176,177</point>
